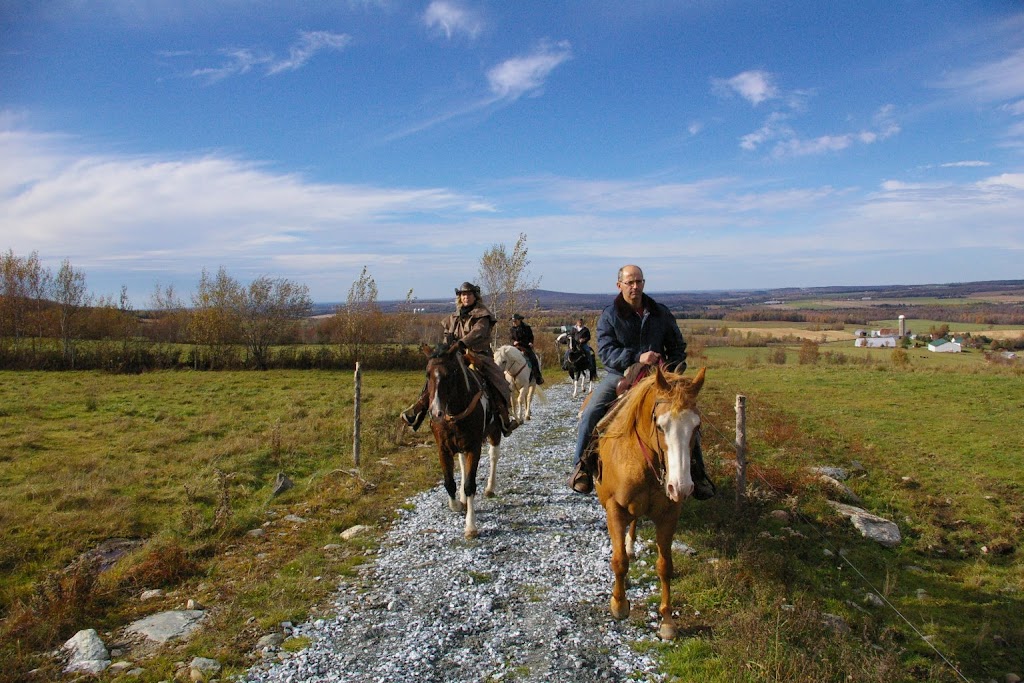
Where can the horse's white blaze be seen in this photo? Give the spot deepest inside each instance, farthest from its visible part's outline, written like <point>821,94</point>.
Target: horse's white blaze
<point>678,429</point>
<point>436,409</point>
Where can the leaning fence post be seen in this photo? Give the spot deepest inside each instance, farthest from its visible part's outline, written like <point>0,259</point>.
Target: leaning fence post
<point>741,447</point>
<point>355,415</point>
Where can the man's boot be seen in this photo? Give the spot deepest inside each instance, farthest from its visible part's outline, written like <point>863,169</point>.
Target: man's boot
<point>582,478</point>
<point>703,487</point>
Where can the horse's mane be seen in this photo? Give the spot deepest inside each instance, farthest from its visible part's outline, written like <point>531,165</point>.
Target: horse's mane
<point>638,403</point>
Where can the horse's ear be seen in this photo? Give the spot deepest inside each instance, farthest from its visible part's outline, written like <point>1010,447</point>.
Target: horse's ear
<point>660,380</point>
<point>426,350</point>
<point>698,381</point>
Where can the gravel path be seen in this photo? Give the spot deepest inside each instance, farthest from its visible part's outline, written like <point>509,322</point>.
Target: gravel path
<point>526,601</point>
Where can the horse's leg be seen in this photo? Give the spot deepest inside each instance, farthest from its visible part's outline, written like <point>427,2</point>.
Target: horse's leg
<point>448,471</point>
<point>631,540</point>
<point>529,399</point>
<point>617,522</point>
<point>469,465</point>
<point>492,475</point>
<point>665,530</point>
<point>457,498</point>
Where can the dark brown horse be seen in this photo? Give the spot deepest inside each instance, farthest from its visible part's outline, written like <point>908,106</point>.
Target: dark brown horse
<point>644,450</point>
<point>462,417</point>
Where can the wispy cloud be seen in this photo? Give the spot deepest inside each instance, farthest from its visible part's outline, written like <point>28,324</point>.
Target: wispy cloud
<point>237,61</point>
<point>964,164</point>
<point>452,18</point>
<point>310,42</point>
<point>993,81</point>
<point>517,76</point>
<point>507,82</point>
<point>241,60</point>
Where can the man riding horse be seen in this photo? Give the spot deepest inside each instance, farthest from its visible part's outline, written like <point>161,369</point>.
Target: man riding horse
<point>469,328</point>
<point>634,329</point>
<point>582,335</point>
<point>521,336</point>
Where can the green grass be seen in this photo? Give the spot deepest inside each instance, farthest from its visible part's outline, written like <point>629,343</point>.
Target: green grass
<point>951,430</point>
<point>88,456</point>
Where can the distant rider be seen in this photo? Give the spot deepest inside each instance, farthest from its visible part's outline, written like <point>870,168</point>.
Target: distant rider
<point>521,335</point>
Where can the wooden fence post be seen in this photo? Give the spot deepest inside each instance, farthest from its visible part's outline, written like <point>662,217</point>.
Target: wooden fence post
<point>357,403</point>
<point>741,447</point>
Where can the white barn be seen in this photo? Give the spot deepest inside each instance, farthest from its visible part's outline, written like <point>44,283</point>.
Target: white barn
<point>944,346</point>
<point>876,342</point>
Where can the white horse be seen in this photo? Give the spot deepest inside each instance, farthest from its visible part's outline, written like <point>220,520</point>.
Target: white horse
<point>520,378</point>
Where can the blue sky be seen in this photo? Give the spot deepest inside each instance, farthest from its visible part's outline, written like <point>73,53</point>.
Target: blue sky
<point>717,144</point>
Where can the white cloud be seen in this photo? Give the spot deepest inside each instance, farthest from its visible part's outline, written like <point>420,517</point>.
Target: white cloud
<point>754,86</point>
<point>238,61</point>
<point>964,164</point>
<point>1015,108</point>
<point>452,18</point>
<point>146,212</point>
<point>310,42</point>
<point>521,75</point>
<point>242,60</point>
<point>994,81</point>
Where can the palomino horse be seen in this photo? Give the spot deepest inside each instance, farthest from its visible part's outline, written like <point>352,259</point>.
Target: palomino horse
<point>520,379</point>
<point>644,447</point>
<point>577,364</point>
<point>462,417</point>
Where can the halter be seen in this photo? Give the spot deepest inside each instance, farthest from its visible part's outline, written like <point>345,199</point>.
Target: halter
<point>514,374</point>
<point>468,377</point>
<point>659,474</point>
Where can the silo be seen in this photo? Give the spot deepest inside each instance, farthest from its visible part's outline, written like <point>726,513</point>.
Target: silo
<point>903,326</point>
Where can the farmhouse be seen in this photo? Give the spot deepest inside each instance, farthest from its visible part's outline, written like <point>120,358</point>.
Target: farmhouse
<point>876,342</point>
<point>944,346</point>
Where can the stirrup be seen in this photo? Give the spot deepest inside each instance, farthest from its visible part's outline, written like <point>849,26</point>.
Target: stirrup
<point>580,480</point>
<point>507,429</point>
<point>413,419</point>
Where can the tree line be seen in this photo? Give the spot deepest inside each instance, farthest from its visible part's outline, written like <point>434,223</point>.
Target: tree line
<point>50,321</point>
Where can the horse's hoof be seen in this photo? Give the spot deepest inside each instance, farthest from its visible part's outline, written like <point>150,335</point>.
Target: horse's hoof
<point>620,611</point>
<point>471,534</point>
<point>667,631</point>
<point>489,493</point>
<point>455,505</point>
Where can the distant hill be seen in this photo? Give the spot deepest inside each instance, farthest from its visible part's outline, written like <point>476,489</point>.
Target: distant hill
<point>567,302</point>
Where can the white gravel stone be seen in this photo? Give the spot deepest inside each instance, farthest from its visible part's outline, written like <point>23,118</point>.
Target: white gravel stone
<point>527,600</point>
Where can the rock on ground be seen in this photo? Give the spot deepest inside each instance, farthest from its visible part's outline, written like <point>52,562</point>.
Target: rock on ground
<point>526,601</point>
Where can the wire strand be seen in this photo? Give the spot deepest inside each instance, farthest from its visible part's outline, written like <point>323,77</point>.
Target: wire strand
<point>827,542</point>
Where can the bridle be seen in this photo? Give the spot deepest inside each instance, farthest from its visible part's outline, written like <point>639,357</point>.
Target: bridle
<point>659,472</point>
<point>473,401</point>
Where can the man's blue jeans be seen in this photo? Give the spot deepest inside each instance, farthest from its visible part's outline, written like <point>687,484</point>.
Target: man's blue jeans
<point>601,398</point>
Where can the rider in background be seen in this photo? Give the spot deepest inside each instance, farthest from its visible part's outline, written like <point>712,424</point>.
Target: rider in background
<point>521,335</point>
<point>469,329</point>
<point>582,334</point>
<point>633,329</point>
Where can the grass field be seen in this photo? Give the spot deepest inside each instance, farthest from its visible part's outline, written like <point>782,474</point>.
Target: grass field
<point>185,462</point>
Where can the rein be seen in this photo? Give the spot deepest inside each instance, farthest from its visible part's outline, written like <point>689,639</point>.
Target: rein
<point>659,474</point>
<point>515,375</point>
<point>473,402</point>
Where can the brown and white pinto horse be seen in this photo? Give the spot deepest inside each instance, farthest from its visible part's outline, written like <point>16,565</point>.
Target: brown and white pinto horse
<point>462,417</point>
<point>644,449</point>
